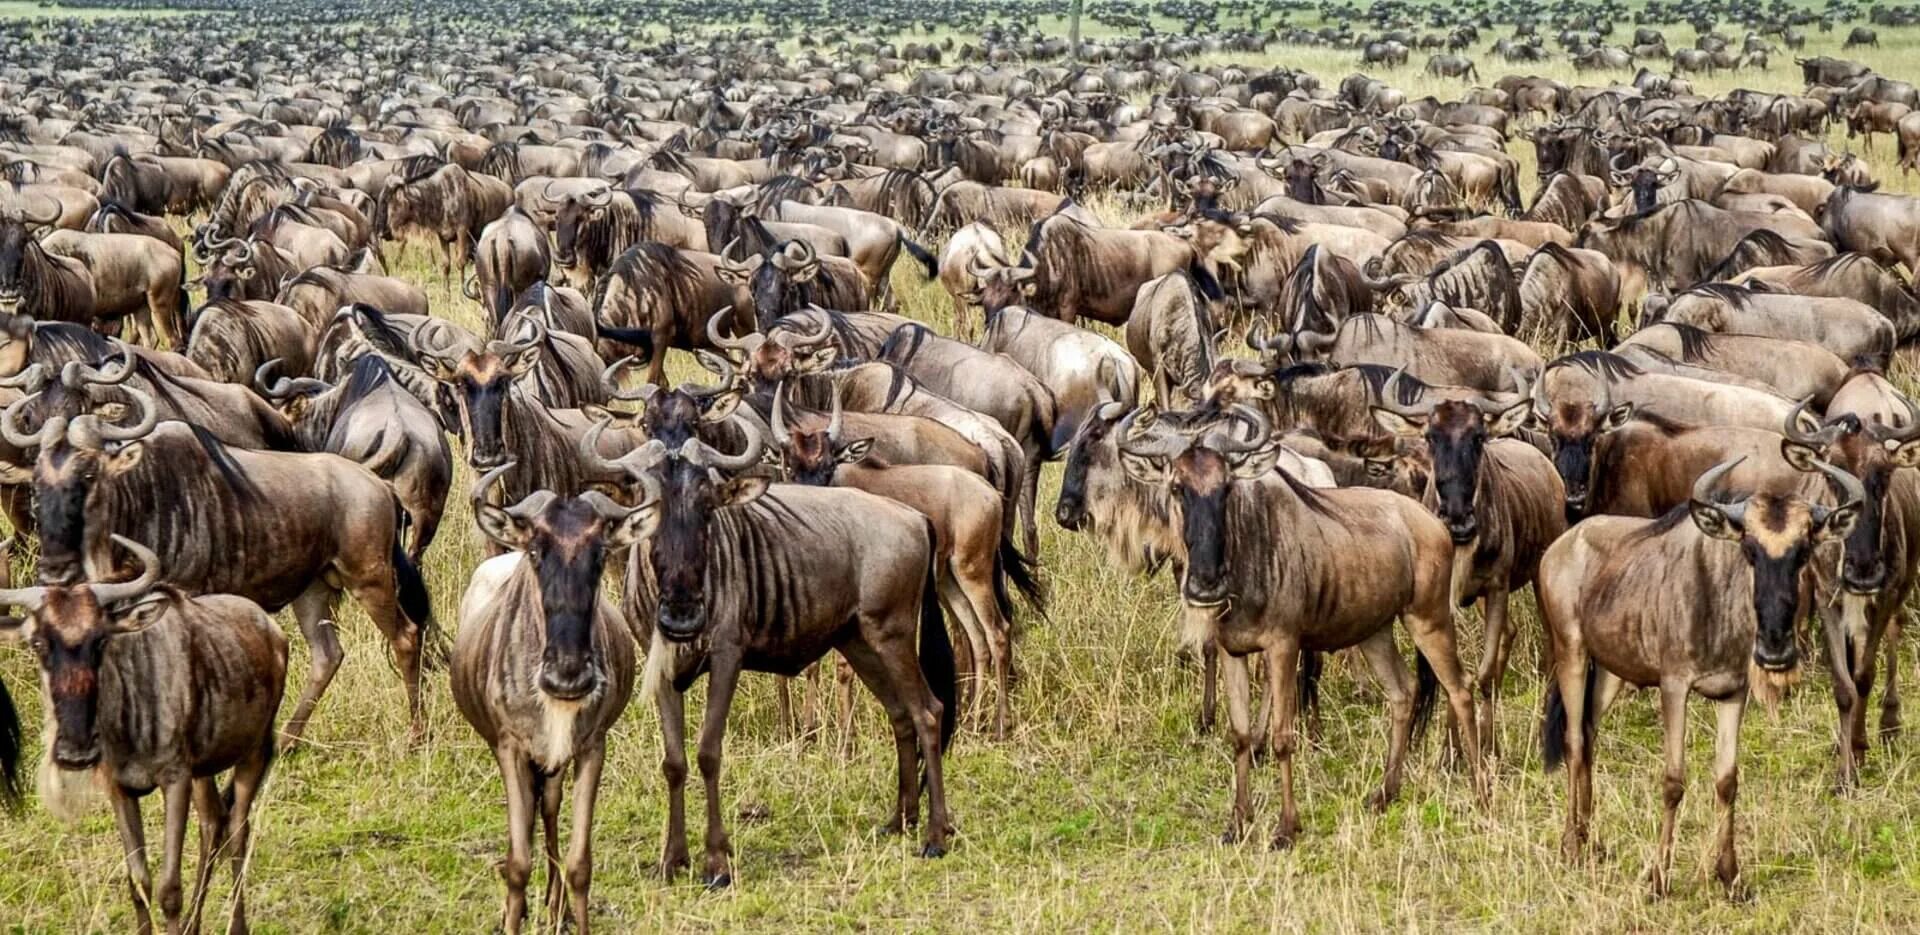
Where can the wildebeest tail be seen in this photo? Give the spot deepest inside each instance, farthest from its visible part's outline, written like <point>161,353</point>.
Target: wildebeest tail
<point>1553,723</point>
<point>1312,664</point>
<point>415,602</point>
<point>1204,280</point>
<point>1010,565</point>
<point>927,262</point>
<point>182,311</point>
<point>640,339</point>
<point>9,751</point>
<point>1510,190</point>
<point>936,657</point>
<point>1426,688</point>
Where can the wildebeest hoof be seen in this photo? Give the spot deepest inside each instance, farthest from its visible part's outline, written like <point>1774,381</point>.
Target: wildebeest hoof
<point>718,881</point>
<point>671,867</point>
<point>932,851</point>
<point>1233,835</point>
<point>1379,800</point>
<point>1283,839</point>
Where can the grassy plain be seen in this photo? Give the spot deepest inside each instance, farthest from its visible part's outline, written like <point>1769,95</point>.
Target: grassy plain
<point>1101,812</point>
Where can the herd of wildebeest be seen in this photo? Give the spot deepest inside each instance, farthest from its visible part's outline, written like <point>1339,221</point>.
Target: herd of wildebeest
<point>1324,399</point>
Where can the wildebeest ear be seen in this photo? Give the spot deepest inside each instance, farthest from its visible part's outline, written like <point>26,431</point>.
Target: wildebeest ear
<point>855,450</point>
<point>638,524</point>
<point>15,629</point>
<point>523,362</point>
<point>1905,453</point>
<point>720,406</point>
<point>595,413</point>
<point>1143,469</point>
<point>1508,420</point>
<point>1256,463</point>
<point>1838,523</point>
<point>1396,423</point>
<point>732,275</point>
<point>143,614</point>
<point>127,457</point>
<point>440,368</point>
<point>742,490</point>
<point>11,473</point>
<point>1714,522</point>
<point>1801,456</point>
<point>502,527</point>
<point>1617,416</point>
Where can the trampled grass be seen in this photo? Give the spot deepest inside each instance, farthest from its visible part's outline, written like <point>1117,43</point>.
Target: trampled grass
<point>1102,810</point>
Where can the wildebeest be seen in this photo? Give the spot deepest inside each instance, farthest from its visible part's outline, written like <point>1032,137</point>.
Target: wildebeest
<point>149,688</point>
<point>541,669</point>
<point>1665,602</point>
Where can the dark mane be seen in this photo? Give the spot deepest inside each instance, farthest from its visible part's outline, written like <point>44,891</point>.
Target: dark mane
<point>1695,343</point>
<point>1598,363</point>
<point>1729,293</point>
<point>1408,391</point>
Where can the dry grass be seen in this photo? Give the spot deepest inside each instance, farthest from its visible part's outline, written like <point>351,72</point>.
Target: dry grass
<point>1102,811</point>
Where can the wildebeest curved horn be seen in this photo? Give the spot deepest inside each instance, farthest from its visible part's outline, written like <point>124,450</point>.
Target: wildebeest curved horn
<point>546,191</point>
<point>1259,431</point>
<point>109,374</point>
<point>779,415</point>
<point>822,331</point>
<point>743,344</point>
<point>801,254</point>
<point>1704,485</point>
<point>536,335</point>
<point>610,378</point>
<point>1796,432</point>
<point>1850,487</point>
<point>47,219</point>
<point>30,379</point>
<point>719,365</point>
<point>634,463</point>
<point>19,437</point>
<point>705,455</point>
<point>1141,439</point>
<point>1105,407</point>
<point>726,257</point>
<point>597,198</point>
<point>28,598</point>
<point>110,594</point>
<point>426,339</point>
<point>977,269</point>
<point>109,432</point>
<point>470,284</point>
<point>1912,428</point>
<point>1390,398</point>
<point>837,419</point>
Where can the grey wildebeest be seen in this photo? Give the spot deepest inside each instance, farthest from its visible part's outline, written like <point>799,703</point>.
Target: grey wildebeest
<point>742,577</point>
<point>152,689</point>
<point>542,668</point>
<point>310,526</point>
<point>1287,569</point>
<point>1704,599</point>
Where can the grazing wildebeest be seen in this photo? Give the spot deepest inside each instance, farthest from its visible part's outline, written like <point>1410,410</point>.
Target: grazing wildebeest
<point>1665,602</point>
<point>149,688</point>
<point>542,668</point>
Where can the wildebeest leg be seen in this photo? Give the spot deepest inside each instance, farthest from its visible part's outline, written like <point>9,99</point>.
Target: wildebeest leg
<point>248,774</point>
<point>1433,636</point>
<point>722,680</point>
<point>1233,679</point>
<point>843,685</point>
<point>314,610</point>
<point>547,788</point>
<point>1673,786</point>
<point>900,668</point>
<point>213,836</point>
<point>1391,671</point>
<point>1570,678</point>
<point>376,596</point>
<point>426,525</point>
<point>783,702</point>
<point>586,793</point>
<point>865,663</point>
<point>1029,527</point>
<point>179,806</point>
<point>1493,667</point>
<point>1847,698</point>
<point>1209,684</point>
<point>1890,695</point>
<point>1866,662</point>
<point>970,601</point>
<point>672,705</point>
<point>1283,699</point>
<point>133,840</point>
<point>1726,782</point>
<point>516,773</point>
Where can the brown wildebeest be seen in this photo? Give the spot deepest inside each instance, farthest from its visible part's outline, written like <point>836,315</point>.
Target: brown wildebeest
<point>1501,501</point>
<point>1287,568</point>
<point>542,668</point>
<point>153,689</point>
<point>1662,603</point>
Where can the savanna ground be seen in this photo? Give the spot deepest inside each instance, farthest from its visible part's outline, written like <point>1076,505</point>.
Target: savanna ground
<point>1101,811</point>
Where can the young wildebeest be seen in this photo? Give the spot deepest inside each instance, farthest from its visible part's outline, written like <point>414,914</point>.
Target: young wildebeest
<point>157,690</point>
<point>1501,501</point>
<point>542,668</point>
<point>973,549</point>
<point>735,580</point>
<point>1286,568</point>
<point>1659,602</point>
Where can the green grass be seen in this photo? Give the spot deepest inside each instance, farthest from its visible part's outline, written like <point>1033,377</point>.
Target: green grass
<point>1102,811</point>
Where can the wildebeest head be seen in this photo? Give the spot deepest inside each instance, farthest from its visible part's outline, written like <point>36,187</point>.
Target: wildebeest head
<point>675,415</point>
<point>1456,433</point>
<point>577,210</point>
<point>1000,287</point>
<point>1575,421</point>
<point>783,352</point>
<point>811,455</point>
<point>1870,454</point>
<point>68,626</point>
<point>229,268</point>
<point>1777,536</point>
<point>481,380</point>
<point>567,540</point>
<point>17,249</point>
<point>1643,183</point>
<point>75,451</point>
<point>1199,471</point>
<point>1091,458</point>
<point>782,284</point>
<point>697,482</point>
